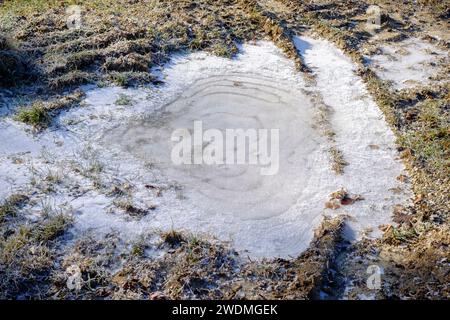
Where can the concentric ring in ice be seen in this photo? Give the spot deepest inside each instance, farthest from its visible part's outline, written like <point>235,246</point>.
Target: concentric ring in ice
<point>223,102</point>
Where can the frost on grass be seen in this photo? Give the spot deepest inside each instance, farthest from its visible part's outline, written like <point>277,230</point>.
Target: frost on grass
<point>172,265</point>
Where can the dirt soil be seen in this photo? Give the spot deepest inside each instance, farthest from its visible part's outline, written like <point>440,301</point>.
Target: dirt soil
<point>43,63</point>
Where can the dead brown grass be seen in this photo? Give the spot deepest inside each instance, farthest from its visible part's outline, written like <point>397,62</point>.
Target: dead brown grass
<point>122,48</point>
<point>196,268</point>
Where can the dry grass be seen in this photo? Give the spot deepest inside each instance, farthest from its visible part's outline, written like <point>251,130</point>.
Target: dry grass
<point>36,116</point>
<point>195,268</point>
<point>27,253</point>
<point>337,160</point>
<point>15,65</point>
<point>120,42</point>
<point>142,34</point>
<point>40,113</point>
<point>10,206</point>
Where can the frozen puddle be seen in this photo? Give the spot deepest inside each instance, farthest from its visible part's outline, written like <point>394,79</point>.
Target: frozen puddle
<point>408,63</point>
<point>247,102</point>
<point>265,215</point>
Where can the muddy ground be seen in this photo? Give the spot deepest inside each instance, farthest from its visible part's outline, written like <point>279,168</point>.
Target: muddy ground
<point>43,62</point>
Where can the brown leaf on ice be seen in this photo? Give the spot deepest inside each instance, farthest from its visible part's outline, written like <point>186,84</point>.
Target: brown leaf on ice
<point>342,197</point>
<point>332,204</point>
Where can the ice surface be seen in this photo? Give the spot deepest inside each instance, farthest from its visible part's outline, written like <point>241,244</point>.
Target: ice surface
<point>407,63</point>
<point>233,101</point>
<point>268,216</point>
<point>359,126</point>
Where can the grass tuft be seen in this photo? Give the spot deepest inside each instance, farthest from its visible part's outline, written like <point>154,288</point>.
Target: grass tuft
<point>51,228</point>
<point>36,116</point>
<point>337,160</point>
<point>124,100</point>
<point>173,238</point>
<point>11,205</point>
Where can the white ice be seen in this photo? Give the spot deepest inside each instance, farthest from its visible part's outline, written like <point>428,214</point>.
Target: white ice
<point>408,63</point>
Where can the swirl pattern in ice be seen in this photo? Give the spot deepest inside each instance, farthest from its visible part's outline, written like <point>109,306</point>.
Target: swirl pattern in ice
<point>223,102</point>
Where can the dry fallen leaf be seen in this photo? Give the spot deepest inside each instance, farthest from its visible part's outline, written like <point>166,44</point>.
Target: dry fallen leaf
<point>418,198</point>
<point>332,204</point>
